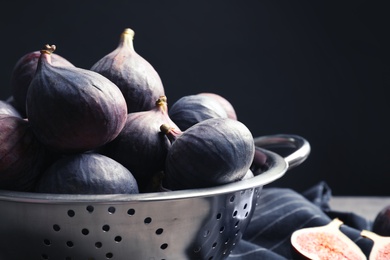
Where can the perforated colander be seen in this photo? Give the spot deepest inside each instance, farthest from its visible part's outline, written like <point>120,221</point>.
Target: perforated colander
<point>189,224</point>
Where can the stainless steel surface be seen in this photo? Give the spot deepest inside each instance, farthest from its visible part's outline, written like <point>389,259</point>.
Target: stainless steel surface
<point>199,223</point>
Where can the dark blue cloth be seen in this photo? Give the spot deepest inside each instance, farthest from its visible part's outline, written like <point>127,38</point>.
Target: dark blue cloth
<point>281,211</point>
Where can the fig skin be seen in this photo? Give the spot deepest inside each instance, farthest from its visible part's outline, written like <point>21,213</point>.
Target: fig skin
<point>140,146</point>
<point>381,224</point>
<point>8,109</point>
<point>22,157</point>
<point>23,73</point>
<point>192,109</point>
<point>139,82</point>
<point>230,111</point>
<point>213,152</point>
<point>72,109</point>
<point>87,173</point>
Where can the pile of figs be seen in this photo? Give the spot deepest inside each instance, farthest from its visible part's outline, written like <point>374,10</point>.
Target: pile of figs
<point>107,129</point>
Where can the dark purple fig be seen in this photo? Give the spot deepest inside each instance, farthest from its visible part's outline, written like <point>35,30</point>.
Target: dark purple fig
<point>8,109</point>
<point>192,109</point>
<point>212,152</point>
<point>230,111</point>
<point>22,157</point>
<point>140,146</point>
<point>324,242</point>
<point>87,173</point>
<point>24,71</point>
<point>381,224</point>
<point>139,82</point>
<point>72,109</point>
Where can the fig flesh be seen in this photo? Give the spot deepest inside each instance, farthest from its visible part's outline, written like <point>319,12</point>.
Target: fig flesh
<point>73,109</point>
<point>23,72</point>
<point>230,111</point>
<point>325,242</point>
<point>140,146</point>
<point>87,173</point>
<point>139,82</point>
<point>22,157</point>
<point>381,224</point>
<point>192,109</point>
<point>212,152</point>
<point>381,247</point>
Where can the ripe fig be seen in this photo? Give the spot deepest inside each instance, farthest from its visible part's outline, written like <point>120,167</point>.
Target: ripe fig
<point>72,109</point>
<point>381,248</point>
<point>87,173</point>
<point>381,224</point>
<point>8,109</point>
<point>140,146</point>
<point>22,157</point>
<point>139,82</point>
<point>192,109</point>
<point>230,111</point>
<point>325,242</point>
<point>23,72</point>
<point>212,152</point>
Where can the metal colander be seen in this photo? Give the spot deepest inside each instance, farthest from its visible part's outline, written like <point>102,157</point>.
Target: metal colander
<point>189,224</point>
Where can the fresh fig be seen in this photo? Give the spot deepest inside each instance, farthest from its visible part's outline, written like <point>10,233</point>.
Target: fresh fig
<point>87,173</point>
<point>231,112</point>
<point>381,224</point>
<point>325,242</point>
<point>24,71</point>
<point>192,109</point>
<point>8,109</point>
<point>22,157</point>
<point>212,152</point>
<point>381,248</point>
<point>140,146</point>
<point>72,109</point>
<point>139,82</point>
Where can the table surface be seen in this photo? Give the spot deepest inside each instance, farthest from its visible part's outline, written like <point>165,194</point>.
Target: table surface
<point>367,207</point>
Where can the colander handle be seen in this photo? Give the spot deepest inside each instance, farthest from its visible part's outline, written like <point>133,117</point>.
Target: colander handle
<point>301,146</point>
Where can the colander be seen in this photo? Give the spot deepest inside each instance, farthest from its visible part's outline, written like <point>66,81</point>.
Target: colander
<point>202,223</point>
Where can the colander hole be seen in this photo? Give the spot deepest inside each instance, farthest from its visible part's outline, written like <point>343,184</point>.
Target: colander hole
<point>106,228</point>
<point>245,206</point>
<point>246,214</point>
<point>45,256</point>
<point>214,245</point>
<point>148,220</point>
<point>219,215</point>
<point>236,225</point>
<point>197,250</point>
<point>243,192</point>
<point>227,241</point>
<point>85,231</point>
<point>109,255</point>
<point>47,242</point>
<point>159,231</point>
<point>238,231</point>
<point>69,243</point>
<point>235,213</point>
<point>98,244</point>
<point>211,257</point>
<point>131,212</point>
<point>206,233</point>
<point>56,227</point>
<point>71,213</point>
<point>111,210</point>
<point>232,198</point>
<point>221,229</point>
<point>90,208</point>
<point>164,246</point>
<point>118,239</point>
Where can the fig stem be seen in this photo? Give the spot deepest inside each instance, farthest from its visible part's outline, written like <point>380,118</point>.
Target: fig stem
<point>127,37</point>
<point>162,103</point>
<point>48,49</point>
<point>171,132</point>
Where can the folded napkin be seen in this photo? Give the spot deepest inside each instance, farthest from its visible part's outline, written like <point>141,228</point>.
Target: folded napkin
<point>281,211</point>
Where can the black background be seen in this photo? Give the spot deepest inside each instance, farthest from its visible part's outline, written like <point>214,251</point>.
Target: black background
<point>319,69</point>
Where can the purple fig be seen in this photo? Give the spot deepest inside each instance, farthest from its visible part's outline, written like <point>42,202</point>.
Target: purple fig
<point>139,82</point>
